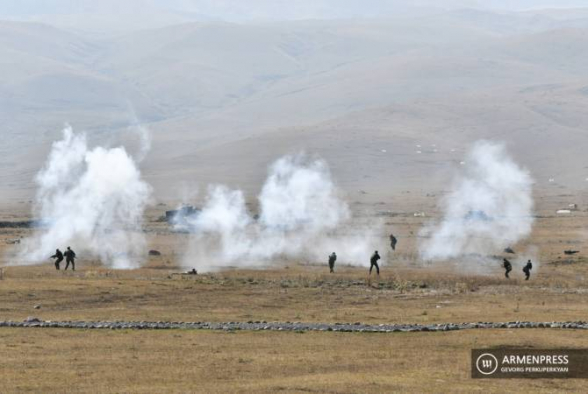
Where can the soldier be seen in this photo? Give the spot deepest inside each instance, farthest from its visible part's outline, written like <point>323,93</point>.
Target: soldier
<point>374,262</point>
<point>332,259</point>
<point>527,270</point>
<point>393,241</point>
<point>507,267</point>
<point>58,256</point>
<point>69,258</point>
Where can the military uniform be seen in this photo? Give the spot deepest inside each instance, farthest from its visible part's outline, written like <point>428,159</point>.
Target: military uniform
<point>507,267</point>
<point>527,270</point>
<point>59,258</point>
<point>332,259</point>
<point>374,262</point>
<point>70,258</point>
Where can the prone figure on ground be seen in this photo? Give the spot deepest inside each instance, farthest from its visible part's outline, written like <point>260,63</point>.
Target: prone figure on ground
<point>374,262</point>
<point>332,259</point>
<point>393,241</point>
<point>70,258</point>
<point>58,256</point>
<point>507,267</point>
<point>527,270</point>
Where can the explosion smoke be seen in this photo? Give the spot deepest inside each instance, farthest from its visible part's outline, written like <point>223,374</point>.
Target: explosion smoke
<point>142,134</point>
<point>489,208</point>
<point>300,217</point>
<point>92,200</point>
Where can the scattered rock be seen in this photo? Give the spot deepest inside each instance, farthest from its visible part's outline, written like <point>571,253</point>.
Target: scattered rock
<point>37,306</point>
<point>296,327</point>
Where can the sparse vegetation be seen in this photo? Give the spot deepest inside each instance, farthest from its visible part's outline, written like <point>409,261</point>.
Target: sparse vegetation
<point>55,360</point>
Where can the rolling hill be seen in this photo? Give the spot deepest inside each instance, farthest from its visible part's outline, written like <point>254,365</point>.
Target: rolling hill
<point>223,100</point>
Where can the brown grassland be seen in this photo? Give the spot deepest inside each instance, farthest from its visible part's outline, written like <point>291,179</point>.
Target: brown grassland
<point>56,360</point>
<point>68,361</point>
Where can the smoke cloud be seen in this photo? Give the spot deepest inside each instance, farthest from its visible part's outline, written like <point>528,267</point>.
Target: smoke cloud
<point>91,199</point>
<point>300,216</point>
<point>489,208</point>
<point>142,134</point>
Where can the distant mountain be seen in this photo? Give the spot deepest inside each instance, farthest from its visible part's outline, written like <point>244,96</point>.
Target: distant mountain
<point>90,15</point>
<point>223,99</point>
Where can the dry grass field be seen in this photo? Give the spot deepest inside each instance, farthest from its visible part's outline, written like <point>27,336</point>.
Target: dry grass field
<point>408,291</point>
<point>294,294</point>
<point>73,361</point>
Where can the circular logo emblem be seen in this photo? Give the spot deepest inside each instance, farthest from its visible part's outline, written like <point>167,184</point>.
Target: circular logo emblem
<point>486,364</point>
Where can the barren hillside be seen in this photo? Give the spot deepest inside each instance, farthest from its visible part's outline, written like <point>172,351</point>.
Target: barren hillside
<point>223,100</point>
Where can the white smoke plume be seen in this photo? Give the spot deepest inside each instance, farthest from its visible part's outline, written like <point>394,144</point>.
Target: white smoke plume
<point>489,208</point>
<point>92,200</point>
<point>300,216</point>
<point>142,133</point>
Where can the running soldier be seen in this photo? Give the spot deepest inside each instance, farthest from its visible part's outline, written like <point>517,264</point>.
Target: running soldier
<point>393,241</point>
<point>507,267</point>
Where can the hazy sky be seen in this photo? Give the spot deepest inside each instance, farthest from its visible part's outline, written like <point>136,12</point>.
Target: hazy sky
<point>262,9</point>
